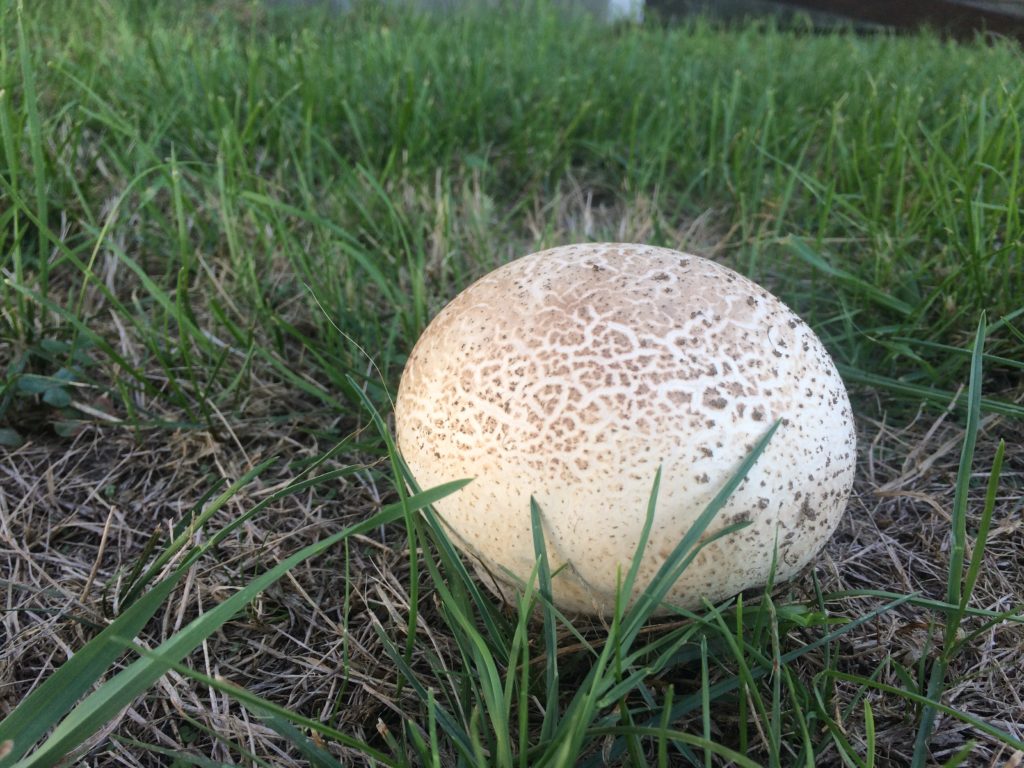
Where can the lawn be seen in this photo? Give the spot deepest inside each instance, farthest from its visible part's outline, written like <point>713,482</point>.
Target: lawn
<point>223,228</point>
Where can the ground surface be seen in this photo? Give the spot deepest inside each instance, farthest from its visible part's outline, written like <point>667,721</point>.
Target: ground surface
<point>74,513</point>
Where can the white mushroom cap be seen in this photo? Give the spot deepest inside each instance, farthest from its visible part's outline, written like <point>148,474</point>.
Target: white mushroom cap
<point>572,374</point>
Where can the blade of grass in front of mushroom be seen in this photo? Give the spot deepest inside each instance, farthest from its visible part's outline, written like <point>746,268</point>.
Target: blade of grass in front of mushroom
<point>550,630</point>
<point>496,634</point>
<point>689,545</point>
<point>729,685</point>
<point>617,653</point>
<point>461,600</point>
<point>625,591</point>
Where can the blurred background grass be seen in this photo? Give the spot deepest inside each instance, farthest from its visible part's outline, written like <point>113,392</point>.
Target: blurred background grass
<point>223,182</point>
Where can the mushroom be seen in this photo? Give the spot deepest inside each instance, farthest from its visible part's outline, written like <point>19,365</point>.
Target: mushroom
<point>573,374</point>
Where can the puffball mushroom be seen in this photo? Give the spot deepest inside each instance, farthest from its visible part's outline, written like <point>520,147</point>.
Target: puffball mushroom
<point>573,374</point>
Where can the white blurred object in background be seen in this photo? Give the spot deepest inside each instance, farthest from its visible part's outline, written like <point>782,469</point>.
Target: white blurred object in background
<point>625,10</point>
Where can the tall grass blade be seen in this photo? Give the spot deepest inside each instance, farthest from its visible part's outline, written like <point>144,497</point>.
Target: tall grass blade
<point>550,629</point>
<point>686,549</point>
<point>35,137</point>
<point>939,397</point>
<point>955,577</point>
<point>984,524</point>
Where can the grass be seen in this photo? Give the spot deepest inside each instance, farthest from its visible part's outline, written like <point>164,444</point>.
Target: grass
<point>223,229</point>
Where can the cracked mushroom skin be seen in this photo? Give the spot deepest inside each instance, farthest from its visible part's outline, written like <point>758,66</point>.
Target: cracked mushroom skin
<point>572,374</point>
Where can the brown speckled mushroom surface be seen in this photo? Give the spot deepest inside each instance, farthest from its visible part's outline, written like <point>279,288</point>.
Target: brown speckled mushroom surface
<point>573,373</point>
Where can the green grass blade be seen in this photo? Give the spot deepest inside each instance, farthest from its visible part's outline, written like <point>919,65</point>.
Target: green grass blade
<point>955,577</point>
<point>550,629</point>
<point>731,756</point>
<point>496,634</point>
<point>193,526</point>
<point>960,756</point>
<point>869,735</point>
<point>1012,615</point>
<point>870,291</point>
<point>705,698</point>
<point>35,137</point>
<point>933,395</point>
<point>460,738</point>
<point>653,596</point>
<point>177,757</point>
<point>277,717</point>
<point>316,756</point>
<point>56,696</point>
<point>727,686</point>
<point>984,524</point>
<point>115,694</point>
<point>626,588</point>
